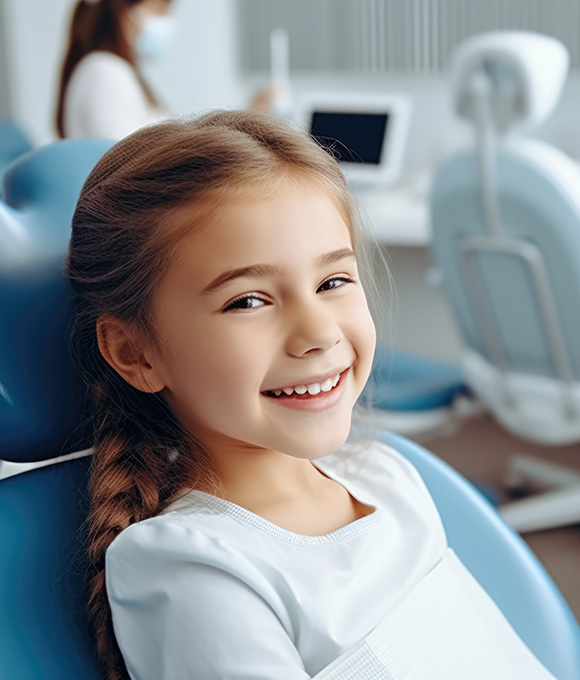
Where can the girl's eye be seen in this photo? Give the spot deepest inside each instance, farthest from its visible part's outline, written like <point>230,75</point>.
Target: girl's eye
<point>245,302</point>
<point>334,282</point>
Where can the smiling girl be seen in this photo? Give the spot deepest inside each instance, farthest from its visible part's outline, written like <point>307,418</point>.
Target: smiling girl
<point>221,324</point>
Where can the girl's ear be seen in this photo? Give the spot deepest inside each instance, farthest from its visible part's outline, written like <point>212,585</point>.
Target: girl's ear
<point>122,350</point>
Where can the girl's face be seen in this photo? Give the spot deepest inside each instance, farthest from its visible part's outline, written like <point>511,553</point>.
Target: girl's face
<point>265,334</point>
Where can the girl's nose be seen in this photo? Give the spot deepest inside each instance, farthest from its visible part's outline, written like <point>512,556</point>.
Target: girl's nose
<point>312,328</point>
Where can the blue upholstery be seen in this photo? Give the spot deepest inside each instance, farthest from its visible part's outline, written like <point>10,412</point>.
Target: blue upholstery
<point>407,382</point>
<point>43,630</point>
<point>41,399</point>
<point>13,142</point>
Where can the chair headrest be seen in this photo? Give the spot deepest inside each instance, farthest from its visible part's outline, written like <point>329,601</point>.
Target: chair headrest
<point>40,392</point>
<point>526,72</point>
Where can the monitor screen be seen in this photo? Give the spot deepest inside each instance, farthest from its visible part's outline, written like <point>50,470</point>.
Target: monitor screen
<point>354,137</point>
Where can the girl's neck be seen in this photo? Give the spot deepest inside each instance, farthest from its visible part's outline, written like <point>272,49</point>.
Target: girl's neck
<point>288,492</point>
<point>260,477</point>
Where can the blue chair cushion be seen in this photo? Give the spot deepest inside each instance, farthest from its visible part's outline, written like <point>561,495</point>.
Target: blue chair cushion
<point>406,382</point>
<point>43,628</point>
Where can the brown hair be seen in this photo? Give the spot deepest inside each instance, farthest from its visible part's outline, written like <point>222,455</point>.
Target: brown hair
<point>96,26</point>
<point>123,240</point>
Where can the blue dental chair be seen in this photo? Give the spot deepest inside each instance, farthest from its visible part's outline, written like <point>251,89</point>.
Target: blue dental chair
<point>505,219</point>
<point>42,624</point>
<point>43,633</point>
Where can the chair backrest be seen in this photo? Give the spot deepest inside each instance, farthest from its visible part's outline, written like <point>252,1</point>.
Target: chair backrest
<point>43,630</point>
<point>539,200</point>
<point>41,398</point>
<point>502,563</point>
<point>505,219</point>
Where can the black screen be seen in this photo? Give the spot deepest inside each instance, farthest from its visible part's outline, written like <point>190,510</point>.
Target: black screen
<point>352,137</point>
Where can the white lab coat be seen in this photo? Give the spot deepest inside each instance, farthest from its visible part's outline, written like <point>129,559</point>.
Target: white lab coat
<point>104,99</point>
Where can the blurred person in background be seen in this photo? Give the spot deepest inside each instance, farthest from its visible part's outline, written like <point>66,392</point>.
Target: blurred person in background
<point>102,92</point>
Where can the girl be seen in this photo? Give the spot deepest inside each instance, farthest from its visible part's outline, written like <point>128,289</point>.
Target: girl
<point>221,324</point>
<point>102,92</point>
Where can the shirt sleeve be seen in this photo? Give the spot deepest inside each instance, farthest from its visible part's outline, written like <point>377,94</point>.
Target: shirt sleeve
<point>180,618</point>
<point>104,99</point>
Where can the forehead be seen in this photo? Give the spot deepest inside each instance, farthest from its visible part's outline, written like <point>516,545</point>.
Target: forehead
<point>294,225</point>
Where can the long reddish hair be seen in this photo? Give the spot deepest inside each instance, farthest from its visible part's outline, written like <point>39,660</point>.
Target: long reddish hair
<point>123,240</point>
<point>96,26</point>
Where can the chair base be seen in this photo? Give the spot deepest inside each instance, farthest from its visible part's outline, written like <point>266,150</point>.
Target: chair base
<point>558,506</point>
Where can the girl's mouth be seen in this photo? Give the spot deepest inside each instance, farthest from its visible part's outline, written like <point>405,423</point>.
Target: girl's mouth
<point>314,395</point>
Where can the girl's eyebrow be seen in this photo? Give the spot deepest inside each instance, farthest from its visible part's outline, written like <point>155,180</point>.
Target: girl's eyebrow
<point>253,271</point>
<point>337,256</point>
<point>257,270</point>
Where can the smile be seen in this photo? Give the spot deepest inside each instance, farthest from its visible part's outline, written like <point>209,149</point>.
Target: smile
<point>314,396</point>
<point>312,389</point>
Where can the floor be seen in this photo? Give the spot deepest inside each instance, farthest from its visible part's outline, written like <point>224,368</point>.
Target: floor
<point>479,450</point>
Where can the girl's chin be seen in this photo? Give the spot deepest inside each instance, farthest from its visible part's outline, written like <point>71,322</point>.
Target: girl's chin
<point>318,445</point>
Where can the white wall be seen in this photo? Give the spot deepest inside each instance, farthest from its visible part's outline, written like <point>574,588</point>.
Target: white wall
<point>199,73</point>
<point>35,34</point>
<point>5,110</point>
<point>201,70</point>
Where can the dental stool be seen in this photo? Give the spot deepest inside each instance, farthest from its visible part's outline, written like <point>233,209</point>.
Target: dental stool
<point>505,220</point>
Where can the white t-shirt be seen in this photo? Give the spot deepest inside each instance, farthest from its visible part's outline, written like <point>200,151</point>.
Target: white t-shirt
<point>212,591</point>
<point>105,99</point>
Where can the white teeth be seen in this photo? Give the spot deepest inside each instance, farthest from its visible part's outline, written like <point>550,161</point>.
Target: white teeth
<point>327,385</point>
<point>314,388</point>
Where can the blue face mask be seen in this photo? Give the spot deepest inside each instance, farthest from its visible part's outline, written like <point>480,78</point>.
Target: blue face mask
<point>155,37</point>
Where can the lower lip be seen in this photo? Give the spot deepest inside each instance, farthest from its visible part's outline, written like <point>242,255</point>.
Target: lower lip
<point>313,402</point>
